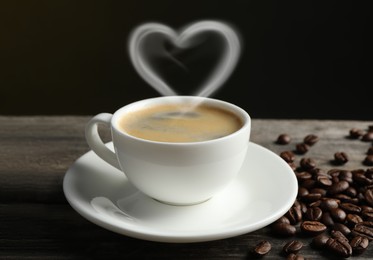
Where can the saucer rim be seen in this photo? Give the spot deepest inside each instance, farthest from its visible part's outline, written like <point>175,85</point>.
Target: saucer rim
<point>136,231</point>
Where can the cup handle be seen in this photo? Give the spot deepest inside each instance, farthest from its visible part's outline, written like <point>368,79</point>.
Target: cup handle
<point>95,142</point>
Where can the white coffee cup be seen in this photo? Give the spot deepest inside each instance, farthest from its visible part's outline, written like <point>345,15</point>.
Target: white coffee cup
<point>173,173</point>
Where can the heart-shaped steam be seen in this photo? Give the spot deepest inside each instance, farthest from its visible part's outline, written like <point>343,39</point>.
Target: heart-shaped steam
<point>183,39</point>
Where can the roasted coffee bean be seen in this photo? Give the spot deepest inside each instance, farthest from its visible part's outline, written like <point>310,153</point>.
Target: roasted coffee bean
<point>351,191</point>
<point>294,257</point>
<point>329,203</point>
<point>350,208</point>
<point>292,247</point>
<point>262,248</point>
<point>283,139</point>
<point>356,133</point>
<point>370,128</point>
<point>283,229</point>
<point>301,148</point>
<point>320,191</point>
<point>368,161</point>
<point>302,176</point>
<point>360,179</point>
<point>288,156</point>
<point>283,219</point>
<point>327,220</point>
<point>334,172</point>
<point>314,213</point>
<point>353,219</point>
<point>309,184</point>
<point>338,187</point>
<point>292,166</point>
<point>368,194</point>
<point>369,173</point>
<point>367,214</point>
<point>342,228</point>
<point>338,234</point>
<point>294,215</point>
<point>340,158</point>
<point>307,163</point>
<point>338,215</point>
<point>312,227</point>
<point>367,137</point>
<point>359,244</point>
<point>302,192</point>
<point>324,181</point>
<point>312,197</point>
<point>311,139</point>
<point>339,247</point>
<point>370,151</point>
<point>364,229</point>
<point>345,176</point>
<point>319,241</point>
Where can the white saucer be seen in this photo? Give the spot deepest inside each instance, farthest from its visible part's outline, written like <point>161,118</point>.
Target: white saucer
<point>264,190</point>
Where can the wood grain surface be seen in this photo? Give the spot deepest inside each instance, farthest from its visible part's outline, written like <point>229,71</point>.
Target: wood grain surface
<point>36,222</point>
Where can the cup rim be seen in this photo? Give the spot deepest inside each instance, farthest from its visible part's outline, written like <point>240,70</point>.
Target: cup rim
<point>238,111</point>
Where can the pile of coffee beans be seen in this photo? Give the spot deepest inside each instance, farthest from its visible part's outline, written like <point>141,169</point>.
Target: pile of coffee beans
<point>334,208</point>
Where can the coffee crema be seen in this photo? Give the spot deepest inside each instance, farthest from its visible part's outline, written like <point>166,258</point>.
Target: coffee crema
<point>180,123</point>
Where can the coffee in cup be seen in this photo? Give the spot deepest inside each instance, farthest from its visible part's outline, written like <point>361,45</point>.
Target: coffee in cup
<point>180,123</point>
<point>179,150</point>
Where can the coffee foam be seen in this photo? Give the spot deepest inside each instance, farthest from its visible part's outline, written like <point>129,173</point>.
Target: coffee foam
<point>180,123</point>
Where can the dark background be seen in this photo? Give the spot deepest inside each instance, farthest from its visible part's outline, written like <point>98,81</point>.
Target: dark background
<point>301,59</point>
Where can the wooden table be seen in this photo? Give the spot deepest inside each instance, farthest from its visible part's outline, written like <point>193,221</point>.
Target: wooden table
<point>36,222</point>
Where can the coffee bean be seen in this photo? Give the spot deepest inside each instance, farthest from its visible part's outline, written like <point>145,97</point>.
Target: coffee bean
<point>364,229</point>
<point>314,213</point>
<point>292,247</point>
<point>350,208</point>
<point>370,128</point>
<point>351,191</point>
<point>327,220</point>
<point>345,176</point>
<point>294,215</point>
<point>302,192</point>
<point>312,197</point>
<point>307,163</point>
<point>283,229</point>
<point>324,181</point>
<point>328,204</point>
<point>370,151</point>
<point>339,247</point>
<point>319,241</point>
<point>311,139</point>
<point>302,176</point>
<point>338,215</point>
<point>320,191</point>
<point>367,214</point>
<point>301,148</point>
<point>338,187</point>
<point>342,228</point>
<point>339,235</point>
<point>262,248</point>
<point>283,219</point>
<point>368,194</point>
<point>283,139</point>
<point>294,257</point>
<point>312,227</point>
<point>353,219</point>
<point>368,137</point>
<point>340,158</point>
<point>288,156</point>
<point>359,244</point>
<point>361,179</point>
<point>368,161</point>
<point>356,133</point>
